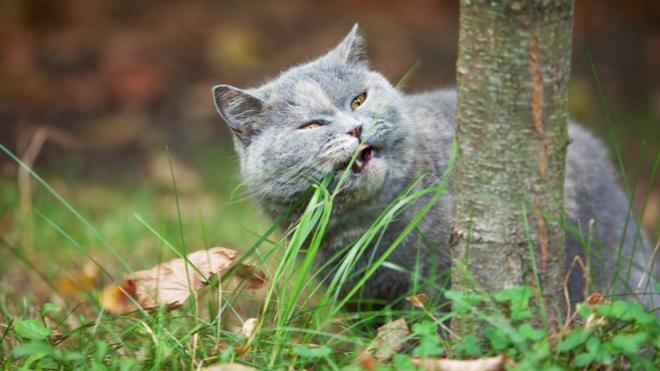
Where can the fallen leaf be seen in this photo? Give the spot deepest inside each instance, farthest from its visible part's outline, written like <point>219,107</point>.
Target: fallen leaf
<point>594,299</point>
<point>483,364</point>
<point>417,300</point>
<point>167,283</point>
<point>228,367</point>
<point>115,299</point>
<point>390,339</point>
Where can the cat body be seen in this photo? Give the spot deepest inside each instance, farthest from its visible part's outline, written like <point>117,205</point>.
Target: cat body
<point>309,122</point>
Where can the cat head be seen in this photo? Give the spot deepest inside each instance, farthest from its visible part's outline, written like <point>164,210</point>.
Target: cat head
<point>310,120</point>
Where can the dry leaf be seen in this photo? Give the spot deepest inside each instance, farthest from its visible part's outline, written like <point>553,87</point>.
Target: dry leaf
<point>249,326</point>
<point>594,299</point>
<point>253,278</point>
<point>167,283</point>
<point>483,364</point>
<point>389,341</point>
<point>417,300</point>
<point>114,300</point>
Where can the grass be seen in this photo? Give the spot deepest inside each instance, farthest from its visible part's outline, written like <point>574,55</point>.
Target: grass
<point>301,321</point>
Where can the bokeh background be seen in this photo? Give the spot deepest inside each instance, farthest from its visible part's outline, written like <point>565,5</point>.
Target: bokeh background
<point>101,95</point>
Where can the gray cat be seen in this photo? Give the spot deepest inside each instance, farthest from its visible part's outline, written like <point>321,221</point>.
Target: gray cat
<point>310,121</point>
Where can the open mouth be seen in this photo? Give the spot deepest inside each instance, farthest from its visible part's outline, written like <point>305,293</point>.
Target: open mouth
<point>365,154</point>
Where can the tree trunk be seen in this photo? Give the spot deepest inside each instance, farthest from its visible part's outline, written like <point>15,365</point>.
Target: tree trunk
<point>512,73</point>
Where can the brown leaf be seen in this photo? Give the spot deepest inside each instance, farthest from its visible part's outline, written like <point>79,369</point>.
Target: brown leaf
<point>483,364</point>
<point>389,340</point>
<point>595,298</point>
<point>417,300</point>
<point>167,283</point>
<point>114,300</point>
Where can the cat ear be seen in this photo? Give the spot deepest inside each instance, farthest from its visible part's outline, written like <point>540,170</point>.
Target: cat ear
<point>351,49</point>
<point>239,110</point>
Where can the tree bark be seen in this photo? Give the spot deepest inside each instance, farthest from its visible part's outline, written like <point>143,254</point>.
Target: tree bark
<point>512,73</point>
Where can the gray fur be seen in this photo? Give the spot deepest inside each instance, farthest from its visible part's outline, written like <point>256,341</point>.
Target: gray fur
<point>412,135</point>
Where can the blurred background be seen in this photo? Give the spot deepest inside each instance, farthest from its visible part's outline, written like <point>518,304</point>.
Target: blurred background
<point>95,94</point>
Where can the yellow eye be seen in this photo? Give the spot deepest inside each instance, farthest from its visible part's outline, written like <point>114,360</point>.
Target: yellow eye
<point>357,101</point>
<point>310,125</point>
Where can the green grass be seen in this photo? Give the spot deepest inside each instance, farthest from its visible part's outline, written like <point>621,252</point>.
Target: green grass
<point>302,322</point>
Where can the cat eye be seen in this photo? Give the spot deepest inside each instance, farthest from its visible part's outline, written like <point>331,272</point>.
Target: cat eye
<point>357,101</point>
<point>311,125</point>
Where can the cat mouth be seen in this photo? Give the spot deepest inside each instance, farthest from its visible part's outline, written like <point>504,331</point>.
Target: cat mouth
<point>364,156</point>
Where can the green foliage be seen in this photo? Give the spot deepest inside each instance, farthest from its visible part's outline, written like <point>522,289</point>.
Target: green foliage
<point>530,333</point>
<point>31,329</point>
<point>628,344</point>
<point>429,341</point>
<point>469,346</point>
<point>626,311</point>
<point>619,331</point>
<point>612,333</point>
<point>46,356</point>
<point>312,352</point>
<point>517,299</point>
<point>499,340</point>
<point>403,362</point>
<point>594,353</point>
<point>463,302</point>
<point>573,340</point>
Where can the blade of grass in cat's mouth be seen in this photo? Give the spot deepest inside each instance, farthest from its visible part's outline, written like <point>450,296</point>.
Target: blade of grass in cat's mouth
<point>365,154</point>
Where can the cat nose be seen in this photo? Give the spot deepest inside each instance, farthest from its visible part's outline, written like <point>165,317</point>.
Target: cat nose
<point>356,132</point>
